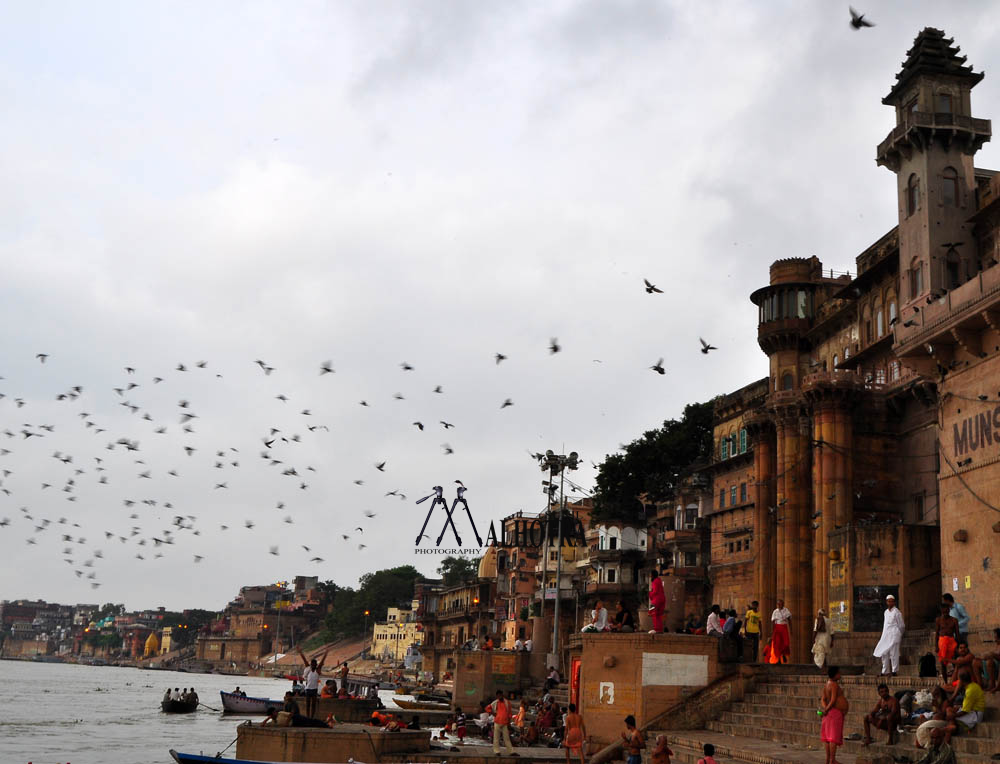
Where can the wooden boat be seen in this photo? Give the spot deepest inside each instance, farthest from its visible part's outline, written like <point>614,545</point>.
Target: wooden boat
<point>179,706</point>
<point>240,704</point>
<point>421,705</point>
<point>194,758</point>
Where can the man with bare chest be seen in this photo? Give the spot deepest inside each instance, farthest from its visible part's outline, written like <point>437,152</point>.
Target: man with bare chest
<point>834,707</point>
<point>885,715</point>
<point>947,638</point>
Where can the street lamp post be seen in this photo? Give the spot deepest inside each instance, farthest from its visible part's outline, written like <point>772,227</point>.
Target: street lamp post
<point>366,623</point>
<point>557,464</point>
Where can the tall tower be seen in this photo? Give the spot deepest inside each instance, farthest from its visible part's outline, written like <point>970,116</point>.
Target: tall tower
<point>931,150</point>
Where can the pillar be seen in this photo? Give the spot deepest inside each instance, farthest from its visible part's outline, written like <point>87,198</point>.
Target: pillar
<point>763,530</point>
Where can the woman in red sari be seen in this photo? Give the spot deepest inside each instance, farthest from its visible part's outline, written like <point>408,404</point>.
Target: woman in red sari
<point>657,601</point>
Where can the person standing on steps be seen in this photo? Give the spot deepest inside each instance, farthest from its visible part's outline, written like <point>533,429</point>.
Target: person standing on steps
<point>501,724</point>
<point>752,629</point>
<point>575,735</point>
<point>657,601</point>
<point>892,637</point>
<point>946,637</point>
<point>833,709</point>
<point>822,638</point>
<point>960,614</point>
<point>781,633</point>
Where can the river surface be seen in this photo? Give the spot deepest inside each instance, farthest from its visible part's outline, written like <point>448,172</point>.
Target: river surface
<point>55,713</point>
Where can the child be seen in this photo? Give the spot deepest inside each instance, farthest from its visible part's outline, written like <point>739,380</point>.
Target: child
<point>709,757</point>
<point>662,752</point>
<point>460,725</point>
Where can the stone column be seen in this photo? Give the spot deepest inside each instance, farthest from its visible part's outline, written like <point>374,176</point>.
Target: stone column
<point>763,536</point>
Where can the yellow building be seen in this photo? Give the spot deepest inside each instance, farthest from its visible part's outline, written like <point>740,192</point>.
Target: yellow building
<point>152,646</point>
<point>391,638</point>
<point>166,639</point>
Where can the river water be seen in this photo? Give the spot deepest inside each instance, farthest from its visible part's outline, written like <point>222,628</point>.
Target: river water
<point>55,713</point>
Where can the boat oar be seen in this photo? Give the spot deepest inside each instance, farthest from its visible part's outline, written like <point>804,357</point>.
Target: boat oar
<point>209,707</point>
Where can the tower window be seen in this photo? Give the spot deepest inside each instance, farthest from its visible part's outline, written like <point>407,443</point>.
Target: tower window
<point>724,451</point>
<point>912,195</point>
<point>952,269</point>
<point>949,187</point>
<point>892,311</point>
<point>743,440</point>
<point>787,381</point>
<point>942,103</point>
<point>916,274</point>
<point>879,322</point>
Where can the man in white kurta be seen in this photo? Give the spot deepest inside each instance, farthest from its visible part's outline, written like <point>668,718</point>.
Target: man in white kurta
<point>892,636</point>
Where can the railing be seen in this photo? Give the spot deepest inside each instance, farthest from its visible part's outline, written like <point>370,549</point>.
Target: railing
<point>934,120</point>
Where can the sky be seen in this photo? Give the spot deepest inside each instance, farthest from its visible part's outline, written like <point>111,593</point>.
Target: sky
<point>380,183</point>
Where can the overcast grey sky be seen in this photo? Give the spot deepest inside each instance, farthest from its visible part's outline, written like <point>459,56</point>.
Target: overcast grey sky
<point>375,183</point>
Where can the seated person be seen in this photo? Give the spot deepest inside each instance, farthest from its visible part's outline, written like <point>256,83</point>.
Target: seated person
<point>414,723</point>
<point>623,621</point>
<point>290,705</point>
<point>971,713</point>
<point>532,735</point>
<point>885,715</point>
<point>991,662</point>
<point>329,689</point>
<point>937,718</point>
<point>449,726</point>
<point>963,660</point>
<point>343,693</point>
<point>598,619</point>
<point>166,695</point>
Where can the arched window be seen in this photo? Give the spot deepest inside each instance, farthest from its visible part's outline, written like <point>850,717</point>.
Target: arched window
<point>912,194</point>
<point>892,311</point>
<point>879,322</point>
<point>866,325</point>
<point>836,360</point>
<point>949,187</point>
<point>724,448</point>
<point>787,381</point>
<point>942,103</point>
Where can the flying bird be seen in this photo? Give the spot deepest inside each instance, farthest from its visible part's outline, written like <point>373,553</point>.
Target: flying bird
<point>419,426</point>
<point>326,368</point>
<point>437,389</point>
<point>405,366</point>
<point>447,425</point>
<point>705,347</point>
<point>858,20</point>
<point>500,357</point>
<point>447,449</point>
<point>658,367</point>
<point>507,402</point>
<point>652,288</point>
<point>41,356</point>
<point>380,466</point>
<point>554,346</point>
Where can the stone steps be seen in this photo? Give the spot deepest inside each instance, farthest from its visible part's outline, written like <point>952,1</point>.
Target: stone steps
<point>687,748</point>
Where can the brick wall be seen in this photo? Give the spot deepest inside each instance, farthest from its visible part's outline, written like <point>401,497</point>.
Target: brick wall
<point>640,674</point>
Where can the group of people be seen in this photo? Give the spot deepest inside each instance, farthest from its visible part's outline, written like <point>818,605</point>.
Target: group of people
<point>622,621</point>
<point>488,643</point>
<point>187,695</point>
<point>633,741</point>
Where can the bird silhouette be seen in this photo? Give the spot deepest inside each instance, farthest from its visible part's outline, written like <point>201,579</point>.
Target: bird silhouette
<point>419,426</point>
<point>405,366</point>
<point>858,20</point>
<point>554,346</point>
<point>652,288</point>
<point>447,425</point>
<point>326,368</point>
<point>705,347</point>
<point>658,367</point>
<point>500,357</point>
<point>507,402</point>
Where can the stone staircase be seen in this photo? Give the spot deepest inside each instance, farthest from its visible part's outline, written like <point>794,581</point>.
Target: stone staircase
<point>777,722</point>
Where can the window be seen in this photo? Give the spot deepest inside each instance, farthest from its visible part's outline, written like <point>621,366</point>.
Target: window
<point>949,187</point>
<point>910,107</point>
<point>912,195</point>
<point>732,494</point>
<point>880,376</point>
<point>836,360</point>
<point>942,103</point>
<point>611,575</point>
<point>787,381</point>
<point>691,518</point>
<point>868,331</point>
<point>690,559</point>
<point>952,277</point>
<point>803,306</point>
<point>893,371</point>
<point>612,542</point>
<point>916,274</point>
<point>892,311</point>
<point>743,440</point>
<point>879,322</point>
<point>743,491</point>
<point>724,448</point>
<point>722,498</point>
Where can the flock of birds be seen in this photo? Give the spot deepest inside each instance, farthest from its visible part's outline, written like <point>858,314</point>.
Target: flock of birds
<point>53,475</point>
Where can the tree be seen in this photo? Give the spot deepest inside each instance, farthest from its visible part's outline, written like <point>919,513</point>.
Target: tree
<point>109,608</point>
<point>187,625</point>
<point>458,570</point>
<point>377,592</point>
<point>652,465</point>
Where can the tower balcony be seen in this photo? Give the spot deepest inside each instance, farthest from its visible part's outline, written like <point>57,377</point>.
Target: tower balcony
<point>920,129</point>
<point>782,334</point>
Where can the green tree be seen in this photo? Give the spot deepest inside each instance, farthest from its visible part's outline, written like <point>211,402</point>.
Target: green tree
<point>187,625</point>
<point>109,608</point>
<point>458,570</point>
<point>377,592</point>
<point>651,466</point>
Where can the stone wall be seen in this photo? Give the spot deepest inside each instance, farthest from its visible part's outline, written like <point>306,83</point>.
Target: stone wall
<point>343,743</point>
<point>480,673</point>
<point>641,674</point>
